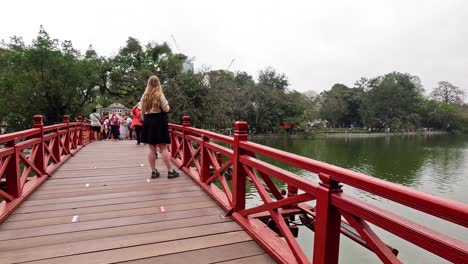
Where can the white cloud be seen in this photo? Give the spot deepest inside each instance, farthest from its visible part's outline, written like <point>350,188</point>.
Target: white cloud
<point>315,43</point>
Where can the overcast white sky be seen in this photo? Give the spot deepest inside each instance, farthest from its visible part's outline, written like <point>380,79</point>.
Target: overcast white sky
<point>315,43</point>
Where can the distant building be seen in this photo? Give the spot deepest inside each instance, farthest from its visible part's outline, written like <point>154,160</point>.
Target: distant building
<point>187,66</point>
<point>3,126</point>
<point>311,94</point>
<point>118,107</point>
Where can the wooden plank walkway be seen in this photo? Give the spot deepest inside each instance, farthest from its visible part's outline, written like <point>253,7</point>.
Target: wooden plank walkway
<point>100,208</point>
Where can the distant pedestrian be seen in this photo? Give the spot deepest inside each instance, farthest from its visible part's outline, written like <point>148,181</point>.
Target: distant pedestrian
<point>95,119</point>
<point>137,122</point>
<point>123,127</point>
<point>128,121</point>
<point>106,128</point>
<point>155,130</point>
<point>114,121</point>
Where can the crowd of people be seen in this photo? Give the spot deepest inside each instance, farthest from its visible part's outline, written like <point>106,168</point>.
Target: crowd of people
<point>113,126</point>
<point>148,123</point>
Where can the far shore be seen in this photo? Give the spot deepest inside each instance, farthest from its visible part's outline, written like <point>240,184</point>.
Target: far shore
<point>332,134</point>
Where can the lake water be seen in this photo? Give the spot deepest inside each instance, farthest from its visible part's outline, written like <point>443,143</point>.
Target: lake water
<point>436,164</point>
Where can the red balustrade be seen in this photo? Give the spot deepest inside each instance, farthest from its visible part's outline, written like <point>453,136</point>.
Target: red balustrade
<point>28,157</point>
<point>210,159</point>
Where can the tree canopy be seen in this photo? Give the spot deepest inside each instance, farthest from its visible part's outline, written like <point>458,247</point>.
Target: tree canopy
<point>52,78</point>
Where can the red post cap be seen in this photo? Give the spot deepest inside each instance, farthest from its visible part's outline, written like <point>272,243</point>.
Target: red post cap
<point>186,119</point>
<point>38,119</point>
<point>240,127</point>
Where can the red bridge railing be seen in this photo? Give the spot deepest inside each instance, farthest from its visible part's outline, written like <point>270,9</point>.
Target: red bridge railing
<point>28,157</point>
<point>211,158</point>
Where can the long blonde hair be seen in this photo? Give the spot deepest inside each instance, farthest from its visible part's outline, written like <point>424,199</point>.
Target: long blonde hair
<point>151,97</point>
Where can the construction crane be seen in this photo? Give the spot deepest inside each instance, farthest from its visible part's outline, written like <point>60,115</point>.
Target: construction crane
<point>230,64</point>
<point>175,44</point>
<point>187,65</point>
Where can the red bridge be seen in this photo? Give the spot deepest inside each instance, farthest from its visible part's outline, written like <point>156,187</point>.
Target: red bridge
<point>100,207</point>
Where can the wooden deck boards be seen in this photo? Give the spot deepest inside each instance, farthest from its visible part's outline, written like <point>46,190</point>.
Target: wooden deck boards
<point>118,216</point>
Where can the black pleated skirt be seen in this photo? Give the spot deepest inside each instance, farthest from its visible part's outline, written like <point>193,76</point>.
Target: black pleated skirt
<point>155,129</point>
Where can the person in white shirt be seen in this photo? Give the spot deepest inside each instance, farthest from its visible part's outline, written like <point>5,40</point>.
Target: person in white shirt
<point>129,127</point>
<point>95,119</point>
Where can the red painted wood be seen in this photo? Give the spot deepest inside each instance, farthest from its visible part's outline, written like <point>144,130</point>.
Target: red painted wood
<point>39,160</point>
<point>212,135</point>
<point>205,161</point>
<point>80,134</point>
<point>48,144</point>
<point>185,143</point>
<point>239,175</point>
<point>447,209</point>
<point>56,146</point>
<point>270,241</point>
<point>433,241</point>
<point>17,135</point>
<point>174,146</point>
<point>281,174</point>
<point>373,241</point>
<point>272,188</point>
<point>330,201</point>
<point>218,171</point>
<point>277,204</point>
<point>220,149</point>
<point>13,182</point>
<point>328,222</point>
<point>66,143</point>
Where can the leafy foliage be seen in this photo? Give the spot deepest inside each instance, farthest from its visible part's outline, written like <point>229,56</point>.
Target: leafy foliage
<point>53,78</point>
<point>341,106</point>
<point>43,78</point>
<point>394,101</point>
<point>448,93</point>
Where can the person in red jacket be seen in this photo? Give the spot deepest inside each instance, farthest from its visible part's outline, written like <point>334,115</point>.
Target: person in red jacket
<point>137,122</point>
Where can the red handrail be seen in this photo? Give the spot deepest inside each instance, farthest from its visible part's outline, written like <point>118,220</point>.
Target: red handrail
<point>50,147</point>
<point>441,207</point>
<point>197,152</point>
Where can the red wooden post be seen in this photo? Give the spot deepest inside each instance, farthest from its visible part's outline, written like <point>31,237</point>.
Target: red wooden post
<point>74,143</point>
<point>185,142</point>
<point>66,145</point>
<point>205,161</point>
<point>173,143</point>
<point>56,147</point>
<point>80,133</point>
<point>88,128</point>
<point>239,174</point>
<point>13,183</point>
<point>327,225</point>
<point>39,159</point>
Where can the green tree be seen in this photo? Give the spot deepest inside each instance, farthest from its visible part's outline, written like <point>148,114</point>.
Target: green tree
<point>448,93</point>
<point>127,72</point>
<point>341,106</point>
<point>393,101</point>
<point>270,78</point>
<point>42,78</point>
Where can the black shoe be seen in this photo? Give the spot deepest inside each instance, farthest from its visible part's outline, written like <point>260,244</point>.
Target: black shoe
<point>172,174</point>
<point>138,143</point>
<point>155,174</point>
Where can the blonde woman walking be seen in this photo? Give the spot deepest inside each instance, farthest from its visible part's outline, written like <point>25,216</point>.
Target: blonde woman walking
<point>155,130</point>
